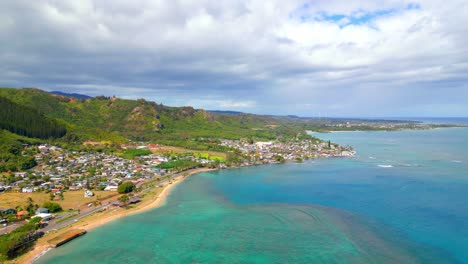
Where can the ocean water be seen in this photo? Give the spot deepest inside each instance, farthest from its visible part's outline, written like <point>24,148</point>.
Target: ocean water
<point>403,199</point>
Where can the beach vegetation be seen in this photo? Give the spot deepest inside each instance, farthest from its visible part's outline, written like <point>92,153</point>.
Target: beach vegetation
<point>124,199</point>
<point>19,240</point>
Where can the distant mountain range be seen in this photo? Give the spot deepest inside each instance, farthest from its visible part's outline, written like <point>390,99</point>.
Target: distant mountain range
<point>74,95</point>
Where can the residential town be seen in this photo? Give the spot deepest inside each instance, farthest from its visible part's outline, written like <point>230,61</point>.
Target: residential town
<point>59,170</point>
<point>273,152</point>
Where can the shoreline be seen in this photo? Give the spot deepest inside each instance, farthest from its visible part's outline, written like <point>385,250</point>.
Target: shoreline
<point>88,225</point>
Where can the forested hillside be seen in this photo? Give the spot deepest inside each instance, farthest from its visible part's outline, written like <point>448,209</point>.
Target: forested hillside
<point>12,157</point>
<point>26,121</point>
<point>114,119</point>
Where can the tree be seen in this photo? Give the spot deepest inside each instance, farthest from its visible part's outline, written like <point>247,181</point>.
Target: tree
<point>30,201</point>
<point>53,207</point>
<point>124,199</point>
<point>126,187</point>
<point>30,207</point>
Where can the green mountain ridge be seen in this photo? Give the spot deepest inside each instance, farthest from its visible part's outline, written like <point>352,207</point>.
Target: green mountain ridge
<point>116,120</point>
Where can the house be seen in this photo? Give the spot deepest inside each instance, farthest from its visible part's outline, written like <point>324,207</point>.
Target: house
<point>152,146</point>
<point>74,188</point>
<point>27,190</point>
<point>8,211</point>
<point>111,188</point>
<point>88,193</point>
<point>43,148</point>
<point>22,214</point>
<point>42,211</point>
<point>20,174</point>
<point>44,216</point>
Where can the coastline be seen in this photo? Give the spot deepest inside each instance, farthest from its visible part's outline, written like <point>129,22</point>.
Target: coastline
<point>42,248</point>
<point>89,224</point>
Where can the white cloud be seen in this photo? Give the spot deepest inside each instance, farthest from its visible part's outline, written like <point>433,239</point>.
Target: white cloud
<point>266,56</point>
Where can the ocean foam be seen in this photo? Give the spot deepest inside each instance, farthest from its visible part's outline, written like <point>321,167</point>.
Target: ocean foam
<point>385,166</point>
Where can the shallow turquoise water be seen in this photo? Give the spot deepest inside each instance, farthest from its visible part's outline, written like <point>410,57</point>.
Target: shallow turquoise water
<point>322,211</point>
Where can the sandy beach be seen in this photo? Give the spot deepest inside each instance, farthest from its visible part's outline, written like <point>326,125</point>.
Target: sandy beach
<point>42,246</point>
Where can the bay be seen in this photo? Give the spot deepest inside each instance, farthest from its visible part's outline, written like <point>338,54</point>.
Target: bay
<point>403,199</point>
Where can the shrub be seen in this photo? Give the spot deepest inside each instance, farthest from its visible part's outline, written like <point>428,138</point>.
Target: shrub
<point>53,207</point>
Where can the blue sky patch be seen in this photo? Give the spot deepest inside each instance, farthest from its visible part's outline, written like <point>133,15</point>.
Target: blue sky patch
<point>358,17</point>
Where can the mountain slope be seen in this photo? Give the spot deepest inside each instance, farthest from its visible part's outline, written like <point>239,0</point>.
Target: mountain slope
<point>110,118</point>
<point>25,121</point>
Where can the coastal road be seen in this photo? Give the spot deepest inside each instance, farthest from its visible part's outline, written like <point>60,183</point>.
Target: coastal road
<point>71,220</point>
<point>54,226</point>
<point>7,229</point>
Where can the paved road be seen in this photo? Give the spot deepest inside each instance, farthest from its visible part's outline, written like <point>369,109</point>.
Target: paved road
<point>10,227</point>
<point>53,226</point>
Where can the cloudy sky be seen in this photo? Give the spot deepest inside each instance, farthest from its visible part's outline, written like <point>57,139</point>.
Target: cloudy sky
<point>310,58</point>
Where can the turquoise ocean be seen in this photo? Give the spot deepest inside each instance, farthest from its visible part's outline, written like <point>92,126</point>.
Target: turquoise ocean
<point>402,199</point>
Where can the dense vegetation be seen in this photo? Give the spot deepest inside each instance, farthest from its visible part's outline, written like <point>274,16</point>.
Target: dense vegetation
<point>12,156</point>
<point>19,240</point>
<point>25,121</point>
<point>53,207</point>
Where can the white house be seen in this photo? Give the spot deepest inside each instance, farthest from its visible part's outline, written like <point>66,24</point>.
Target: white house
<point>27,189</point>
<point>20,174</point>
<point>44,216</point>
<point>88,193</point>
<point>111,188</point>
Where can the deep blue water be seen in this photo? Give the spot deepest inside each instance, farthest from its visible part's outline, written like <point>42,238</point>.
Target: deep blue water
<point>403,199</point>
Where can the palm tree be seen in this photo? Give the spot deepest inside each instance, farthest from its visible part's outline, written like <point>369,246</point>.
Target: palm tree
<point>30,207</point>
<point>30,201</point>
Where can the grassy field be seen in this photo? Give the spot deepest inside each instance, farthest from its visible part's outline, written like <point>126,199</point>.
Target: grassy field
<point>73,199</point>
<point>177,150</point>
